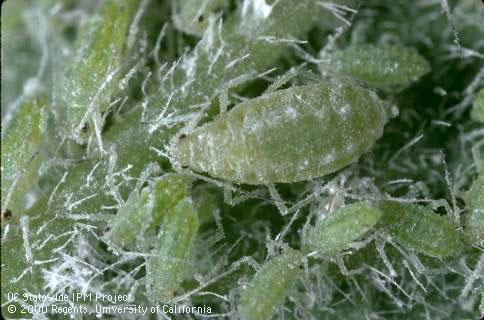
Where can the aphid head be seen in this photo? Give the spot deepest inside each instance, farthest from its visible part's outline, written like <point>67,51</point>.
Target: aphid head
<point>81,132</point>
<point>6,215</point>
<point>84,128</point>
<point>179,156</point>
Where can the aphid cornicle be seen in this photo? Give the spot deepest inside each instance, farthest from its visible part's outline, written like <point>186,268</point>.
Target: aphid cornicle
<point>290,135</point>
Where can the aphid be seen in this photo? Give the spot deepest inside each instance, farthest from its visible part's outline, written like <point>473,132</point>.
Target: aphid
<point>21,139</point>
<point>131,220</point>
<point>420,229</point>
<point>170,261</point>
<point>478,110</point>
<point>192,15</point>
<point>347,224</point>
<point>287,136</point>
<point>475,206</point>
<point>91,76</point>
<point>270,286</point>
<point>146,209</point>
<point>379,66</point>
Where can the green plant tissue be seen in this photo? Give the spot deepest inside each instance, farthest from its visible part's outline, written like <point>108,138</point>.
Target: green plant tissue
<point>242,159</point>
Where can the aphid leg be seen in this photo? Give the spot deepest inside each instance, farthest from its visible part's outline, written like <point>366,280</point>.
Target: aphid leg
<point>248,260</point>
<point>344,270</point>
<point>473,276</point>
<point>280,236</point>
<point>358,245</point>
<point>380,246</point>
<point>224,100</point>
<point>351,274</point>
<point>150,170</point>
<point>477,154</point>
<point>451,213</point>
<point>412,274</point>
<point>228,196</point>
<point>196,118</point>
<point>232,200</point>
<point>219,232</point>
<point>382,281</point>
<point>283,79</point>
<point>280,204</point>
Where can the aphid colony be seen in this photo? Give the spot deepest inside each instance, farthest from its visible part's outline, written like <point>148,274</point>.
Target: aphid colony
<point>170,261</point>
<point>289,135</point>
<point>284,136</point>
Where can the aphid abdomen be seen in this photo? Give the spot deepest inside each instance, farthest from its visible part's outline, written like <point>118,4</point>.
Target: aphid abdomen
<point>287,136</point>
<point>420,229</point>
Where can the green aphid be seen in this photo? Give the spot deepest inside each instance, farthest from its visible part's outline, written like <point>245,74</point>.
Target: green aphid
<point>287,136</point>
<point>270,286</point>
<point>169,264</point>
<point>91,76</point>
<point>475,207</point>
<point>131,220</point>
<point>347,224</point>
<point>420,229</point>
<point>21,139</point>
<point>146,209</point>
<point>193,15</point>
<point>383,67</point>
<point>478,109</point>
